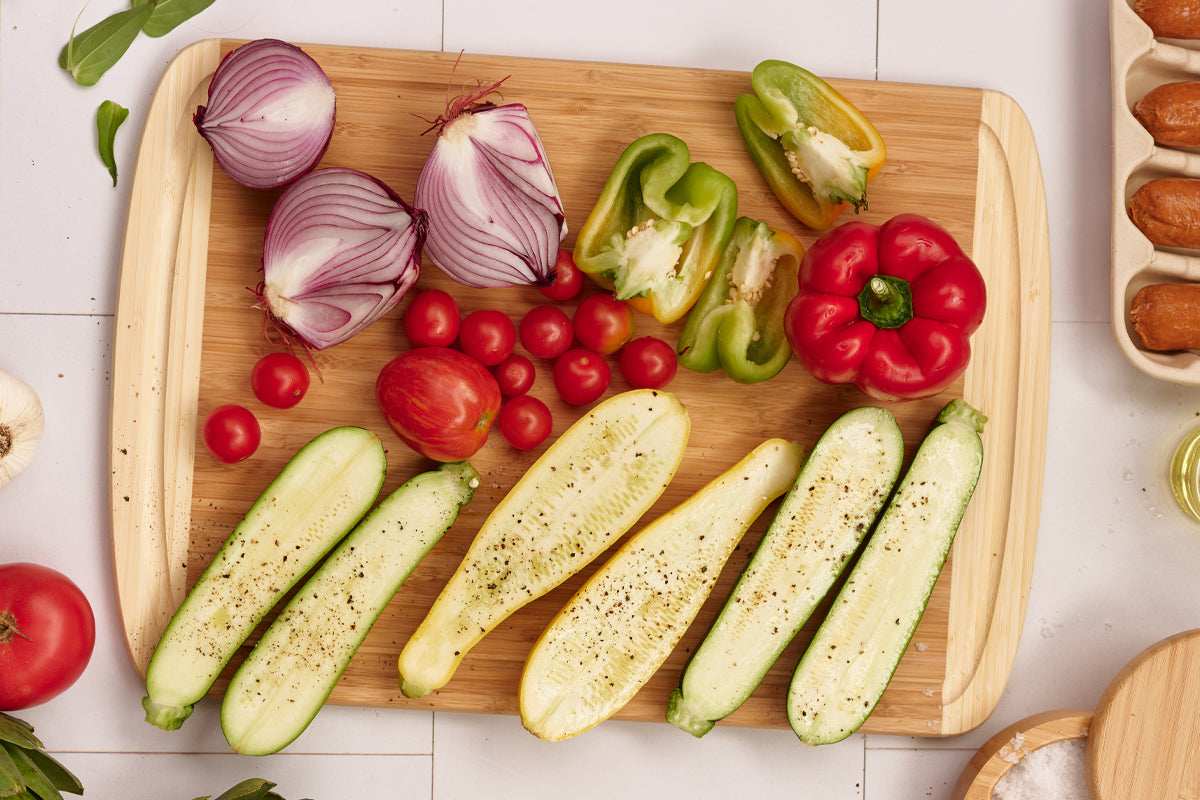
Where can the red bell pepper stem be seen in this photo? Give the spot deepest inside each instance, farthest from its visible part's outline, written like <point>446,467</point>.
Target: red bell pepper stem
<point>886,301</point>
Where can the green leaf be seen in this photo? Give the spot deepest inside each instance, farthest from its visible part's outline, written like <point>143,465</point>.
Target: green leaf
<point>18,732</point>
<point>249,789</point>
<point>35,781</point>
<point>88,55</point>
<point>109,117</point>
<point>169,14</point>
<point>60,776</point>
<point>11,782</point>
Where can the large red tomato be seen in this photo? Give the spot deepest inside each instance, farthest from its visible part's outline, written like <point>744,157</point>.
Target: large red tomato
<point>440,402</point>
<point>47,631</point>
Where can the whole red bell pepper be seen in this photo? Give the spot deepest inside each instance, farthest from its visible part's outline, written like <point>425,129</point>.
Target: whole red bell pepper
<point>890,308</point>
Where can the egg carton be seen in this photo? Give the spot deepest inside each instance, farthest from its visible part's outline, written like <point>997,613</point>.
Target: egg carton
<point>1140,62</point>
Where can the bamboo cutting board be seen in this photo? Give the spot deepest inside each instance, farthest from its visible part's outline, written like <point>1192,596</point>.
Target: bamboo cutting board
<point>187,336</point>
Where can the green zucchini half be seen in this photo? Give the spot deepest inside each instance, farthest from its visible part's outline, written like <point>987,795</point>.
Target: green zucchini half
<point>851,659</point>
<point>819,525</point>
<point>282,684</point>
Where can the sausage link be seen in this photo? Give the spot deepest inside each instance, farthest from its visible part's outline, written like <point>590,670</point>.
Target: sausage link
<point>1170,19</point>
<point>1166,316</point>
<point>1167,211</point>
<point>1171,113</point>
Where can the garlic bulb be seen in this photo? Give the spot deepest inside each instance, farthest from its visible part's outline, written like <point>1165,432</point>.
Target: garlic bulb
<point>21,425</point>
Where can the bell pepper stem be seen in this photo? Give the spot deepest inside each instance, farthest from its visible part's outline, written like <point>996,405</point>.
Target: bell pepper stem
<point>886,301</point>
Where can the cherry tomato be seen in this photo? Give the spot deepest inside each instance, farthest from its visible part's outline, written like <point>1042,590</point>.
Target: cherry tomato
<point>488,336</point>
<point>546,331</point>
<point>581,376</point>
<point>440,402</point>
<point>47,632</point>
<point>432,318</point>
<point>515,375</point>
<point>231,433</point>
<point>648,363</point>
<point>603,323</point>
<point>279,380</point>
<point>568,278</point>
<point>525,422</point>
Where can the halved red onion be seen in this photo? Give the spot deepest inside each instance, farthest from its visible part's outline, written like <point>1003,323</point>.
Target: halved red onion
<point>341,249</point>
<point>270,114</point>
<point>495,214</point>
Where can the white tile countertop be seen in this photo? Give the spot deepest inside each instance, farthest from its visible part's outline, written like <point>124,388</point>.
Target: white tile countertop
<point>1116,561</point>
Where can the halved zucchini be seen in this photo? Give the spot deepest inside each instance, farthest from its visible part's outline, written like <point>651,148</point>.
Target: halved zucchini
<point>844,483</point>
<point>581,495</point>
<point>855,652</point>
<point>282,684</point>
<point>622,624</point>
<point>314,501</point>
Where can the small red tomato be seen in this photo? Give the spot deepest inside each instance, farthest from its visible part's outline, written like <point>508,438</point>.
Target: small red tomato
<point>279,380</point>
<point>648,363</point>
<point>231,433</point>
<point>47,632</point>
<point>488,336</point>
<point>568,278</point>
<point>546,331</point>
<point>515,375</point>
<point>440,402</point>
<point>432,318</point>
<point>525,422</point>
<point>603,323</point>
<point>581,376</point>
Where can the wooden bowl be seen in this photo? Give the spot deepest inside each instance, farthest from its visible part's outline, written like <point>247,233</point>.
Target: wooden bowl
<point>1146,725</point>
<point>1006,748</point>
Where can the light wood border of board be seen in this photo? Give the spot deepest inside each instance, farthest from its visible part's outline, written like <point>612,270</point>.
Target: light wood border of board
<point>1000,753</point>
<point>1011,225</point>
<point>159,320</point>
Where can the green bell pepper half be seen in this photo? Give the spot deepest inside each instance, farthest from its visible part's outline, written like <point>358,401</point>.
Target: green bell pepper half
<point>737,324</point>
<point>814,148</point>
<point>658,228</point>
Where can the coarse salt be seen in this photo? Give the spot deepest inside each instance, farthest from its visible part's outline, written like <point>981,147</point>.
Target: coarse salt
<point>1055,770</point>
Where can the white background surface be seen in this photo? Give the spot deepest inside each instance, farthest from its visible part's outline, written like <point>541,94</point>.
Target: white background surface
<point>1116,561</point>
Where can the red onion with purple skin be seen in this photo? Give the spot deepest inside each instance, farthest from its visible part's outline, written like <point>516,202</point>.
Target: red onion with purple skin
<point>495,214</point>
<point>270,114</point>
<point>341,250</point>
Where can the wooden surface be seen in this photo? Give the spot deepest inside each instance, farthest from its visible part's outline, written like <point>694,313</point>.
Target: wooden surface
<point>1009,746</point>
<point>1145,739</point>
<point>187,336</point>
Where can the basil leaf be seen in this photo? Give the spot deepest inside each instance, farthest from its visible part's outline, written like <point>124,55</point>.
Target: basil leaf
<point>109,117</point>
<point>62,778</point>
<point>90,54</point>
<point>169,14</point>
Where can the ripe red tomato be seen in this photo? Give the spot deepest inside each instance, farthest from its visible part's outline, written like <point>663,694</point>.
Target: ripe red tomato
<point>568,278</point>
<point>47,632</point>
<point>515,375</point>
<point>231,433</point>
<point>546,331</point>
<point>603,323</point>
<point>440,402</point>
<point>525,422</point>
<point>648,363</point>
<point>279,380</point>
<point>581,376</point>
<point>432,319</point>
<point>488,336</point>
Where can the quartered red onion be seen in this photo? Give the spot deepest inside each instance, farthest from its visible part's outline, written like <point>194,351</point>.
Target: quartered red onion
<point>495,214</point>
<point>341,250</point>
<point>270,114</point>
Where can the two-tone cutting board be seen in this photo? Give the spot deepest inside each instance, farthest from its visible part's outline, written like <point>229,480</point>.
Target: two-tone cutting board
<point>187,336</point>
